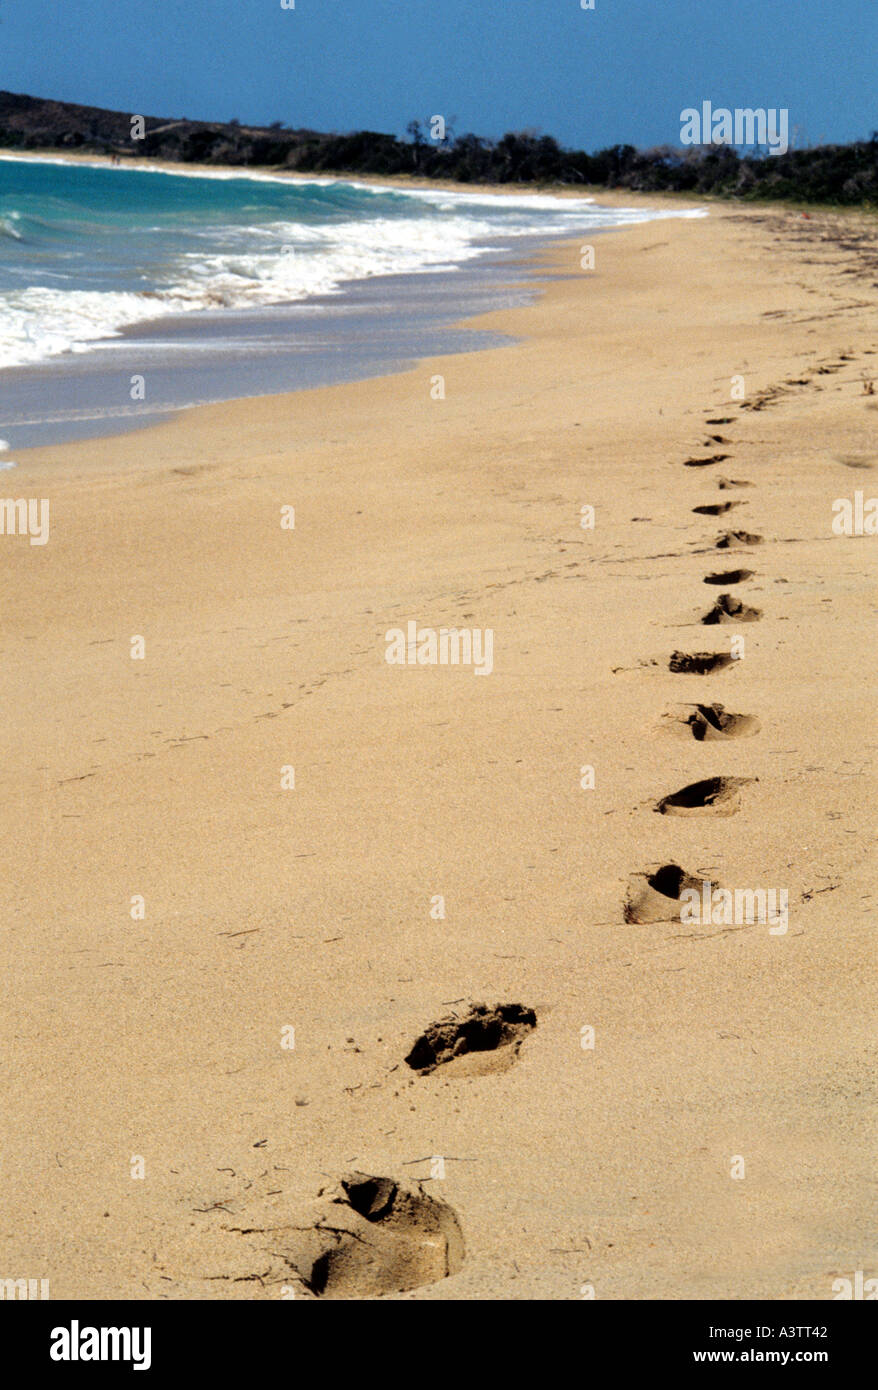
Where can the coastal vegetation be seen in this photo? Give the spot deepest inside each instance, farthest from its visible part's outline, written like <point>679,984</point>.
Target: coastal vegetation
<point>844,175</point>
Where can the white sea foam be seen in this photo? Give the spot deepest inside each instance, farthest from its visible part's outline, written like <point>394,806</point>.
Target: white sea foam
<point>280,261</point>
<point>8,227</point>
<point>40,322</point>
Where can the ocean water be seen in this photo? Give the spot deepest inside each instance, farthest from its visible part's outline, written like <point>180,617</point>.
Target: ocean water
<point>104,267</point>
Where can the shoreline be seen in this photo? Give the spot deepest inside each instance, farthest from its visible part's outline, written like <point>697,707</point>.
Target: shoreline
<point>384,323</point>
<point>598,193</point>
<point>275,173</point>
<point>368,323</point>
<point>268,907</point>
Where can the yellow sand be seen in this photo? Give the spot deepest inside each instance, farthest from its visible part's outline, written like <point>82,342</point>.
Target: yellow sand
<point>268,908</point>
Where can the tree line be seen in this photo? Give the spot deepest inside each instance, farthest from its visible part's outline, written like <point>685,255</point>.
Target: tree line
<point>838,174</point>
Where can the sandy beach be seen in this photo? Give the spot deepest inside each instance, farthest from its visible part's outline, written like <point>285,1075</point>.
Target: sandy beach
<point>177,901</point>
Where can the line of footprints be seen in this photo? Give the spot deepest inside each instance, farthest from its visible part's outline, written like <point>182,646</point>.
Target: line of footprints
<point>366,1235</point>
<point>363,1235</point>
<point>655,897</point>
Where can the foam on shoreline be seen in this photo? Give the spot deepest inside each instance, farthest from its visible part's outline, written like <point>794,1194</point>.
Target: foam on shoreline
<point>92,255</point>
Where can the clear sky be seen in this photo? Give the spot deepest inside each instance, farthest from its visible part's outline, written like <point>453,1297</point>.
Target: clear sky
<point>620,73</point>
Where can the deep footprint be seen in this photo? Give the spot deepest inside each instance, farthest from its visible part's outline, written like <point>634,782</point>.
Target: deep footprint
<point>698,663</point>
<point>709,722</point>
<point>656,897</point>
<point>736,540</point>
<point>716,508</point>
<point>702,463</point>
<point>719,796</point>
<point>372,1236</point>
<point>728,577</point>
<point>483,1039</point>
<point>729,609</point>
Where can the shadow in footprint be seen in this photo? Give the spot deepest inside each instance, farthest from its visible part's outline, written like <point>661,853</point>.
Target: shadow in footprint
<point>656,897</point>
<point>729,609</point>
<point>716,508</point>
<point>375,1235</point>
<point>703,463</point>
<point>864,461</point>
<point>698,663</point>
<point>708,722</point>
<point>723,483</point>
<point>719,796</point>
<point>486,1038</point>
<point>728,577</point>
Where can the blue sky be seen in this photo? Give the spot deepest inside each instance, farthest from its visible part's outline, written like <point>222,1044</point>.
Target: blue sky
<point>621,73</point>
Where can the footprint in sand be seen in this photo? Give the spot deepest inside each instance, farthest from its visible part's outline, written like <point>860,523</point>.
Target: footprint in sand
<point>724,483</point>
<point>487,1038</point>
<point>719,796</point>
<point>702,463</point>
<point>736,540</point>
<point>698,663</point>
<point>728,577</point>
<point>709,722</point>
<point>370,1236</point>
<point>729,609</point>
<point>656,897</point>
<point>716,508</point>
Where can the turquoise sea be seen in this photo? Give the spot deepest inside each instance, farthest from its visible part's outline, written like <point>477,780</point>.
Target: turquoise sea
<point>91,252</point>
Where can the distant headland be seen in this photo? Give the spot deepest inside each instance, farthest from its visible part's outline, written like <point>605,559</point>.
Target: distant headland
<point>835,174</point>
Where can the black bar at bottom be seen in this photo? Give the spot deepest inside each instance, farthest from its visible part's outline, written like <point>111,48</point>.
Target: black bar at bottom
<point>246,1338</point>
